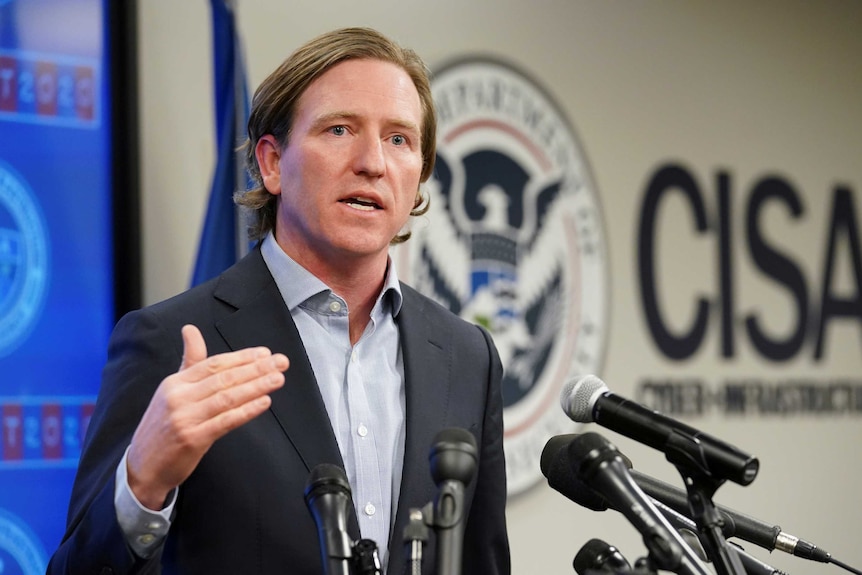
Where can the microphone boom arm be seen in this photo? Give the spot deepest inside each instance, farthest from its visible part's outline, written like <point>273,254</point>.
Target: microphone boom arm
<point>701,485</point>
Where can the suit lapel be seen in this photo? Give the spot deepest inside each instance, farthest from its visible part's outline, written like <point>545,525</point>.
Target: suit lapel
<point>262,318</point>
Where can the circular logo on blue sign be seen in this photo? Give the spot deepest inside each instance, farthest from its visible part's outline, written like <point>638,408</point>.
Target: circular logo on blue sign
<point>20,545</point>
<point>23,260</point>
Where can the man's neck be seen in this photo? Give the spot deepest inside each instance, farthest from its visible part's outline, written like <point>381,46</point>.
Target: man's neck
<point>357,279</point>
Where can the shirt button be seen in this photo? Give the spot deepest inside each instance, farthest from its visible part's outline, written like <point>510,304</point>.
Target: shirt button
<point>370,509</point>
<point>362,430</point>
<point>148,538</point>
<point>154,525</point>
<point>335,306</point>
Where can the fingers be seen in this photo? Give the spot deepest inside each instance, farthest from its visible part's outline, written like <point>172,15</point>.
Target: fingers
<point>238,365</point>
<point>214,395</point>
<point>230,388</point>
<point>194,346</point>
<point>224,381</point>
<point>235,411</point>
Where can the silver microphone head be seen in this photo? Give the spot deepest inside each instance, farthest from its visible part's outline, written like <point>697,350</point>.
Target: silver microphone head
<point>580,395</point>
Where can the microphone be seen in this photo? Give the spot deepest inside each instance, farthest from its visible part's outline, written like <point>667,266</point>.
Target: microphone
<point>588,399</point>
<point>453,459</point>
<point>327,495</point>
<point>736,524</point>
<point>597,463</point>
<point>556,465</point>
<point>596,556</point>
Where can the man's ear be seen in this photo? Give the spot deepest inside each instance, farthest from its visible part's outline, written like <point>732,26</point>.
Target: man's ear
<point>268,154</point>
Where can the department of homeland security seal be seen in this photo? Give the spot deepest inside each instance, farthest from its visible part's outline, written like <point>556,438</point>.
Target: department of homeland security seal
<point>514,241</point>
<point>23,260</point>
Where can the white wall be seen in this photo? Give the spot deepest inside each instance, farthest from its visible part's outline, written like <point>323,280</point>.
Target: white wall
<point>752,88</point>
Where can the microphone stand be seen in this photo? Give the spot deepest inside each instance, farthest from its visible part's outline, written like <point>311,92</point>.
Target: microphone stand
<point>415,538</point>
<point>445,514</point>
<point>682,451</point>
<point>453,463</point>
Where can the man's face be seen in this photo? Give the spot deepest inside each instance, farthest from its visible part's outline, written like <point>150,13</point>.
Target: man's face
<point>349,175</point>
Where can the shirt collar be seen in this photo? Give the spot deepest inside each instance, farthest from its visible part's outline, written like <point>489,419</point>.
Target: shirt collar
<point>297,285</point>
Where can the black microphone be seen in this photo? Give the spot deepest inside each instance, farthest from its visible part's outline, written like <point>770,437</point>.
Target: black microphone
<point>588,399</point>
<point>736,524</point>
<point>453,460</point>
<point>596,556</point>
<point>557,465</point>
<point>598,464</point>
<point>327,495</point>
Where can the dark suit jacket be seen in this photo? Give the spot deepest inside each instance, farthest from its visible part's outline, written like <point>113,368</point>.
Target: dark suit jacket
<point>242,510</point>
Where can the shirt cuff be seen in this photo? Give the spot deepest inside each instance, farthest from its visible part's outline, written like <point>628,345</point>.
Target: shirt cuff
<point>145,530</point>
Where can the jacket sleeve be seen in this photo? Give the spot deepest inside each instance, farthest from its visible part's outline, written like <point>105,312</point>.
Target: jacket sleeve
<point>486,542</point>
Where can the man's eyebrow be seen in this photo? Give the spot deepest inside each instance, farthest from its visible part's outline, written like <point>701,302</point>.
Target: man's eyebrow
<point>330,117</point>
<point>406,125</point>
<point>334,117</point>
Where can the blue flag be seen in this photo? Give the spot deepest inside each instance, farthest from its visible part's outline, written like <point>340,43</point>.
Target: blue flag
<point>222,241</point>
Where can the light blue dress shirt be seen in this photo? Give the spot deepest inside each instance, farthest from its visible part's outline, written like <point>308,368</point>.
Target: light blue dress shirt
<point>362,387</point>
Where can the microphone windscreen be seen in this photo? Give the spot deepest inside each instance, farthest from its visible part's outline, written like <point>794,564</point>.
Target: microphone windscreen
<point>579,396</point>
<point>453,456</point>
<point>556,466</point>
<point>552,450</point>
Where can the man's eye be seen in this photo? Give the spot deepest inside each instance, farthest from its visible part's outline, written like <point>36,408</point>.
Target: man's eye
<point>338,130</point>
<point>399,140</point>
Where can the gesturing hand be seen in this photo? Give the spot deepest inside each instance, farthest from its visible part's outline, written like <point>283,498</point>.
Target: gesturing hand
<point>192,408</point>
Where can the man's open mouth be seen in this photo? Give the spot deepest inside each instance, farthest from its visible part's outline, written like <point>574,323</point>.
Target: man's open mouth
<point>361,204</point>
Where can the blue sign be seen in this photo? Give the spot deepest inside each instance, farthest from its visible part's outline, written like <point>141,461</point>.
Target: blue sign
<point>56,261</point>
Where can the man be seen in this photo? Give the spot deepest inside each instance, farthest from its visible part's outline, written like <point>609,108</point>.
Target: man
<point>202,470</point>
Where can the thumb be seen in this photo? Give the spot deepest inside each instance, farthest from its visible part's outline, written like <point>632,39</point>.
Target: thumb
<point>194,346</point>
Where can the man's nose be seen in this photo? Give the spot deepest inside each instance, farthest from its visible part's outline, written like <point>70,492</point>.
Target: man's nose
<point>369,158</point>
